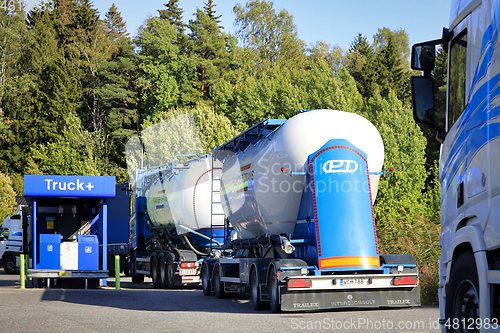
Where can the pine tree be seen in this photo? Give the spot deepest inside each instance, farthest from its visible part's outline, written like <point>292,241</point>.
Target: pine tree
<point>390,70</point>
<point>173,14</point>
<point>115,27</point>
<point>391,54</point>
<point>209,9</point>
<point>210,54</point>
<point>118,96</point>
<point>361,66</point>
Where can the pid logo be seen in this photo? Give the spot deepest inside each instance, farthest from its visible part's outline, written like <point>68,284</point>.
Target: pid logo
<point>335,166</point>
<point>88,249</point>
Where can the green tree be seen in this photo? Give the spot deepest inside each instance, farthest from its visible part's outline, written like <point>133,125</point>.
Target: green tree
<point>333,55</point>
<point>173,14</point>
<point>360,62</point>
<point>209,47</point>
<point>177,131</point>
<point>72,153</point>
<point>392,53</point>
<point>38,116</point>
<point>115,27</point>
<point>7,197</point>
<point>391,70</point>
<point>400,39</point>
<point>160,63</point>
<point>271,37</point>
<point>400,194</point>
<point>118,95</point>
<point>13,35</point>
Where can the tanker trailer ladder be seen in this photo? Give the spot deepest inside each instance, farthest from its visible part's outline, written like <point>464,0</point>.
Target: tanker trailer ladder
<point>217,211</point>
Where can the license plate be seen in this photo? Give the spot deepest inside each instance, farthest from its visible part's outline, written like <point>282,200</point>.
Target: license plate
<point>188,272</point>
<point>353,282</point>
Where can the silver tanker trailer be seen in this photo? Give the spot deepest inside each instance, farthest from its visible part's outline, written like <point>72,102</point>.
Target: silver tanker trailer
<point>299,195</point>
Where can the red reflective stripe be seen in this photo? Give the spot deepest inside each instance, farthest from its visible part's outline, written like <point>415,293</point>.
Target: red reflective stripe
<point>299,283</point>
<point>405,280</point>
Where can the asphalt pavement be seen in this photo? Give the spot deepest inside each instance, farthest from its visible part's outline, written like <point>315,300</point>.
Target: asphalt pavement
<point>140,308</point>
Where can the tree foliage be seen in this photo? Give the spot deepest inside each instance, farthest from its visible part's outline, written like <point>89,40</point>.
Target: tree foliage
<point>7,197</point>
<point>271,37</point>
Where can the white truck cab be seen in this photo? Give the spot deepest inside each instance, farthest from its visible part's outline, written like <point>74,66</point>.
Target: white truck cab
<point>469,166</point>
<point>13,239</point>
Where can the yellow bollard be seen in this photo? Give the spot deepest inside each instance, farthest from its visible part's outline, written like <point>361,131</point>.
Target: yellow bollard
<point>117,271</point>
<point>22,268</point>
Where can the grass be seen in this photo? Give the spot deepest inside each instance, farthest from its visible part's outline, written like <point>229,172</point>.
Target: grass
<point>419,238</point>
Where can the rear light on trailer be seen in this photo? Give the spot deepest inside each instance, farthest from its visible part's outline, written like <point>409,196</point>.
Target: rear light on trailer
<point>188,265</point>
<point>405,280</point>
<point>299,283</point>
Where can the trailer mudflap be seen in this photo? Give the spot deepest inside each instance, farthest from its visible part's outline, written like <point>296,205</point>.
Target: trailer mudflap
<point>305,300</point>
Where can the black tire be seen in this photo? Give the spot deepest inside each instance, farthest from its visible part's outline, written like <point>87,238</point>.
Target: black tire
<point>136,278</point>
<point>155,276</point>
<point>171,268</point>
<point>162,270</point>
<point>462,301</point>
<point>257,303</point>
<point>9,264</point>
<point>39,283</point>
<point>218,284</point>
<point>274,301</point>
<point>205,281</point>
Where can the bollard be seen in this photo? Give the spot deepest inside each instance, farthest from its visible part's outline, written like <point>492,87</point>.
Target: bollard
<point>117,271</point>
<point>23,281</point>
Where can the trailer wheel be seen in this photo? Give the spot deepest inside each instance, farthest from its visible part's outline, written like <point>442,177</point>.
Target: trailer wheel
<point>462,301</point>
<point>274,301</point>
<point>162,270</point>
<point>218,284</point>
<point>136,278</point>
<point>170,270</point>
<point>205,280</point>
<point>9,264</point>
<point>154,270</point>
<point>258,304</point>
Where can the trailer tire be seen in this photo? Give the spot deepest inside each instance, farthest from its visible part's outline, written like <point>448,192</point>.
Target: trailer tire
<point>170,273</point>
<point>154,270</point>
<point>258,304</point>
<point>9,264</point>
<point>274,295</point>
<point>218,284</point>
<point>136,278</point>
<point>463,291</point>
<point>162,270</point>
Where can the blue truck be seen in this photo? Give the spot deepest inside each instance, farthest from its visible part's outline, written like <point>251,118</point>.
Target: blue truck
<point>298,196</point>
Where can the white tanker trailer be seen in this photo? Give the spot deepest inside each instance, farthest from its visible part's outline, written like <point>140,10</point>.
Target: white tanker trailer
<point>176,218</point>
<point>300,194</point>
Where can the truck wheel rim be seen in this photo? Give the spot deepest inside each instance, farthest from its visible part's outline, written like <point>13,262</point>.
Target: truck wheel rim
<point>466,307</point>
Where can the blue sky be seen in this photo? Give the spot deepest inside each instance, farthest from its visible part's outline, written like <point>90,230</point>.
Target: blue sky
<point>332,21</point>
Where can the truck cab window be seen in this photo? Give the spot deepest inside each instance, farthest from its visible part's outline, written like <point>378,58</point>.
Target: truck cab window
<point>457,77</point>
<point>4,234</point>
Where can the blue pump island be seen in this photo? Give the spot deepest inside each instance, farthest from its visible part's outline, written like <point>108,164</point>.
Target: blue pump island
<point>65,218</point>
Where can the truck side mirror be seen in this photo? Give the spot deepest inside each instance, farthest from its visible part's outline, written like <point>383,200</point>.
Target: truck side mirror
<point>423,56</point>
<point>424,111</point>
